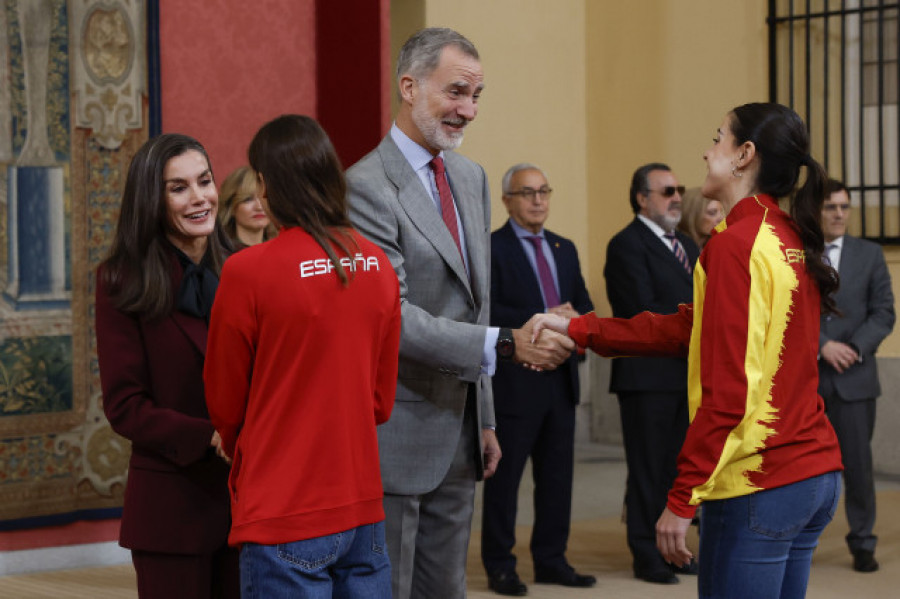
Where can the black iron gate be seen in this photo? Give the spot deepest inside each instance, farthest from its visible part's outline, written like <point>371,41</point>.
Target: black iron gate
<point>836,63</point>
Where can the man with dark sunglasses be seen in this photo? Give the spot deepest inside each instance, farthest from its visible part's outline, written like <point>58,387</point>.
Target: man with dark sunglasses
<point>649,266</point>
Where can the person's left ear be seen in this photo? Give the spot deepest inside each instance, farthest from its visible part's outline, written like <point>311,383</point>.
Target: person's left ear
<point>746,153</point>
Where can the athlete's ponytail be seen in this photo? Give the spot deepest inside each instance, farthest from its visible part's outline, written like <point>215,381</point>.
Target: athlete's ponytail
<point>782,148</point>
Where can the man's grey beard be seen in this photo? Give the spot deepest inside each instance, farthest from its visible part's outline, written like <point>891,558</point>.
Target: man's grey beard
<point>667,222</point>
<point>430,128</point>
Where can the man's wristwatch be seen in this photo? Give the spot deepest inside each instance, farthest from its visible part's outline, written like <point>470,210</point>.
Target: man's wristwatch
<point>506,345</point>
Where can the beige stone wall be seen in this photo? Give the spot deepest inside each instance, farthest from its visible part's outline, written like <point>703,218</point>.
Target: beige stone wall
<point>660,77</point>
<point>533,106</point>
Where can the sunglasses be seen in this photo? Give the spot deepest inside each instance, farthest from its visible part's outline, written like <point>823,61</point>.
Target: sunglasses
<point>669,190</point>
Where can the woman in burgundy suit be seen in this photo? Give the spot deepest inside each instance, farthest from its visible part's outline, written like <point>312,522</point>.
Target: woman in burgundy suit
<point>154,294</point>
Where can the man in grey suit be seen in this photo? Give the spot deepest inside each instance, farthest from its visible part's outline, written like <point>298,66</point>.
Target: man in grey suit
<point>848,376</point>
<point>429,210</point>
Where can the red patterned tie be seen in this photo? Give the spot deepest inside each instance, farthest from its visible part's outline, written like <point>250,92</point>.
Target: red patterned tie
<point>679,251</point>
<point>448,210</point>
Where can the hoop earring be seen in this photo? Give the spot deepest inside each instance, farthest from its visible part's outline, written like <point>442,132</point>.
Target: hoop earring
<point>736,173</point>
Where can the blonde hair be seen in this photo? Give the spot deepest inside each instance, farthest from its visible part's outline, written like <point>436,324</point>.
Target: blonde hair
<point>237,186</point>
<point>693,205</point>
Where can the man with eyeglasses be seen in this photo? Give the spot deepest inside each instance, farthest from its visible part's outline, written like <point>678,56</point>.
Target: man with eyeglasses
<point>532,270</point>
<point>649,267</point>
<point>848,373</point>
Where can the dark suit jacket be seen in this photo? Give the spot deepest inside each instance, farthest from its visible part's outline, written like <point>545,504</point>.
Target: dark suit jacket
<point>176,498</point>
<point>642,274</point>
<point>516,297</point>
<point>867,303</point>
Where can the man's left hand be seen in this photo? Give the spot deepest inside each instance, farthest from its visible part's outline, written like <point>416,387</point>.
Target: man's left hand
<point>492,451</point>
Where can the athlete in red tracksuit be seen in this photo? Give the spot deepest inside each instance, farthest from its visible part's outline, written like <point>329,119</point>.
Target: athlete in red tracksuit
<point>301,367</point>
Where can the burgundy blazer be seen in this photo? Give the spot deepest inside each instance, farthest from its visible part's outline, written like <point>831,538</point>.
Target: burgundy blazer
<point>176,498</point>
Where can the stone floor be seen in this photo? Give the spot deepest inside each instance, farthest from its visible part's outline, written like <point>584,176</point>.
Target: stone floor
<point>597,546</point>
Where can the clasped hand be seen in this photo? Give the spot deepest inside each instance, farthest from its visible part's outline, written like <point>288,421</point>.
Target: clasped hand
<point>840,356</point>
<point>541,349</point>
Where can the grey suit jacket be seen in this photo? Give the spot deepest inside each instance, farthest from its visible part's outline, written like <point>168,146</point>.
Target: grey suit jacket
<point>867,303</point>
<point>444,309</point>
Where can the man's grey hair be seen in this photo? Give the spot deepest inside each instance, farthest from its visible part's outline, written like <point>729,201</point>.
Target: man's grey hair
<point>421,53</point>
<point>522,166</point>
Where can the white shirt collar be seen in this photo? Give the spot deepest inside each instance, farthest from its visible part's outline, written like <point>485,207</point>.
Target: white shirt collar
<point>659,231</point>
<point>417,156</point>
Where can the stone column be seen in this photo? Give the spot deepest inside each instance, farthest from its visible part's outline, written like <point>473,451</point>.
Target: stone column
<point>35,199</point>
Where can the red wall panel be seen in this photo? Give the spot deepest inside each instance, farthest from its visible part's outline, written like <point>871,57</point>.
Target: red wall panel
<point>229,66</point>
<point>353,80</point>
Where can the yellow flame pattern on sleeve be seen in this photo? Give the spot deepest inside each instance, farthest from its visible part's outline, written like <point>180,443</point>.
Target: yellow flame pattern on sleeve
<point>773,282</point>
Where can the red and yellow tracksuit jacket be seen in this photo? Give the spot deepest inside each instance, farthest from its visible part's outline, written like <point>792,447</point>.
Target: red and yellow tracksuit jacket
<point>751,338</point>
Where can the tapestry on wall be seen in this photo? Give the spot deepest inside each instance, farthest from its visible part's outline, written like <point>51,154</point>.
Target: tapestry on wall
<point>73,106</point>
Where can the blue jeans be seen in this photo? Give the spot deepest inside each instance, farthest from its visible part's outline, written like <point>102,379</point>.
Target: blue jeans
<point>760,546</point>
<point>349,565</point>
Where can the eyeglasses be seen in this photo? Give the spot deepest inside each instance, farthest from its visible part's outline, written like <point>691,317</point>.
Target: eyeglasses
<point>669,190</point>
<point>532,194</point>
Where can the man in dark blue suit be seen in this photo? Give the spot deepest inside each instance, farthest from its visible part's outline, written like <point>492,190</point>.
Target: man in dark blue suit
<point>649,268</point>
<point>532,270</point>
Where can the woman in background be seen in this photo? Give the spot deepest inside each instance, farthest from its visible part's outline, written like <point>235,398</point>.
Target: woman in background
<point>760,454</point>
<point>242,214</point>
<point>699,215</point>
<point>154,294</point>
<point>302,366</point>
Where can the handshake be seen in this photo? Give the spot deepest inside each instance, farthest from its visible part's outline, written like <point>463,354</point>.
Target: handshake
<point>541,343</point>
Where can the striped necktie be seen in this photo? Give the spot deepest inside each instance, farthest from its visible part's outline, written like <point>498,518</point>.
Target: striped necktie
<point>678,249</point>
